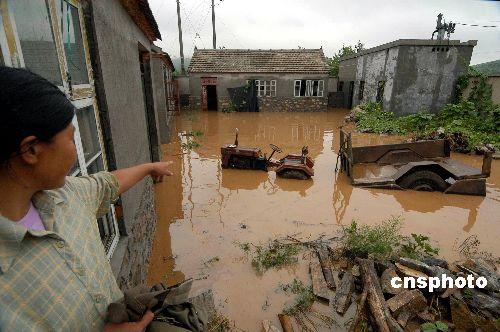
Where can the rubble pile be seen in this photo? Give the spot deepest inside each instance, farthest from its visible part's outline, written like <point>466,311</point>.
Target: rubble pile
<point>383,307</point>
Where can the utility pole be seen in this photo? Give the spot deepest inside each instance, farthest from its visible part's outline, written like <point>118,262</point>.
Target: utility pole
<point>183,71</point>
<point>213,26</point>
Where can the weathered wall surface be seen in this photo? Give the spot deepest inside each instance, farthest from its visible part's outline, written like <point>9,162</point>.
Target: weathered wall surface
<point>284,99</point>
<point>118,39</point>
<point>425,79</point>
<point>347,74</point>
<point>419,74</point>
<point>373,68</point>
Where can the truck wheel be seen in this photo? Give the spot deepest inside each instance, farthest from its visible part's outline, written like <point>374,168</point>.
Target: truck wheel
<point>293,174</point>
<point>423,181</point>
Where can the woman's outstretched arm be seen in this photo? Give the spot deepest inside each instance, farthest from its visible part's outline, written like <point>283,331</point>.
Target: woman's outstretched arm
<point>128,177</point>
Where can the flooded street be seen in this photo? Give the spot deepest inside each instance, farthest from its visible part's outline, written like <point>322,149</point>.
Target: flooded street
<point>204,211</point>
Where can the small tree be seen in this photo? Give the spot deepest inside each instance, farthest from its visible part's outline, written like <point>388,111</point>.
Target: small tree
<point>334,61</point>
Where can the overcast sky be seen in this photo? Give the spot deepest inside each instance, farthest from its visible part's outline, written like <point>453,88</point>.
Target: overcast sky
<point>314,23</point>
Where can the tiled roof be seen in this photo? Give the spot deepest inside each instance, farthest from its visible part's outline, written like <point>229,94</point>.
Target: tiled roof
<point>142,16</point>
<point>258,61</point>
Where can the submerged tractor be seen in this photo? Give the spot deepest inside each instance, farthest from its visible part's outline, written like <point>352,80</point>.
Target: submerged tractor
<point>292,166</point>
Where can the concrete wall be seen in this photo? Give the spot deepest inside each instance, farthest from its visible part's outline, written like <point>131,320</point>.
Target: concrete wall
<point>371,69</point>
<point>284,89</point>
<point>118,39</point>
<point>347,73</point>
<point>419,75</point>
<point>495,88</point>
<point>425,79</point>
<point>332,84</point>
<point>183,84</point>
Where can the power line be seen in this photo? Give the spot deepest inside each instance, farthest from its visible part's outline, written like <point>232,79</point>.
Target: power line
<point>477,25</point>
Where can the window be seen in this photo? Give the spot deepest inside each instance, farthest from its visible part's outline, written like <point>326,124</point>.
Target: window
<point>73,42</point>
<point>380,91</point>
<point>266,88</point>
<point>340,86</point>
<point>308,88</point>
<point>361,90</point>
<point>35,38</point>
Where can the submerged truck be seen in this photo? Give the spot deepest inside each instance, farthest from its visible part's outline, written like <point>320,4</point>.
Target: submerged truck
<point>421,165</point>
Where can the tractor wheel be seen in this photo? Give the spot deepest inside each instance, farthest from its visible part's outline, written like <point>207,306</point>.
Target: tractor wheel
<point>423,181</point>
<point>293,174</point>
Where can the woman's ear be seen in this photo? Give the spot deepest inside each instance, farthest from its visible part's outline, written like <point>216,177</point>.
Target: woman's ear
<point>29,150</point>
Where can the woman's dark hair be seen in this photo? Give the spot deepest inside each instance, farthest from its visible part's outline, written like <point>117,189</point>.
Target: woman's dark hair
<point>29,106</point>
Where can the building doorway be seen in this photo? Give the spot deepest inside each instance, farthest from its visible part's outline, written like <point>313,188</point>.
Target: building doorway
<point>209,93</point>
<point>212,97</point>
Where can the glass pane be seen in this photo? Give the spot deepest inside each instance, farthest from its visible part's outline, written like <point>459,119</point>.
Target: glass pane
<point>96,166</point>
<point>36,38</point>
<point>107,230</point>
<point>88,131</point>
<point>73,42</point>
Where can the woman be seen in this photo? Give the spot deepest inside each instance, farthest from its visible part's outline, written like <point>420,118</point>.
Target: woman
<point>54,274</point>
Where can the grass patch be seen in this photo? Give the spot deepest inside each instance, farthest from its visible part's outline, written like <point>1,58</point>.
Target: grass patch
<point>383,242</point>
<point>274,254</point>
<point>304,297</point>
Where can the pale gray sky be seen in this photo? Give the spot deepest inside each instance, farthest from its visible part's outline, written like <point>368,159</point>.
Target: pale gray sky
<point>313,23</point>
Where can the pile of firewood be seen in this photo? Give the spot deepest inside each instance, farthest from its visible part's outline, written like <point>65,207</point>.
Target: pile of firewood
<point>381,307</point>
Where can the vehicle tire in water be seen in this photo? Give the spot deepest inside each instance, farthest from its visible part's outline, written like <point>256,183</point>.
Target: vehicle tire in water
<point>293,174</point>
<point>423,181</point>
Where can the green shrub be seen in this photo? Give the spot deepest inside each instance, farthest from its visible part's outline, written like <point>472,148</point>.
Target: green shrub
<point>378,241</point>
<point>383,242</point>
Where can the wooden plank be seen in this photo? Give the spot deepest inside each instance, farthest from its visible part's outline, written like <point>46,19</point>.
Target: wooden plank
<point>378,307</point>
<point>286,322</point>
<point>319,285</point>
<point>326,267</point>
<point>343,296</point>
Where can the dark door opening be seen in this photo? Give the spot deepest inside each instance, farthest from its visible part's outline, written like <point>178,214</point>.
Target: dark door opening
<point>212,97</point>
<point>351,94</point>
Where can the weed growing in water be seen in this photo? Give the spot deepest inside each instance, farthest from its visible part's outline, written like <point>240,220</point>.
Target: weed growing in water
<point>272,255</point>
<point>383,242</point>
<point>417,247</point>
<point>303,301</point>
<point>377,241</point>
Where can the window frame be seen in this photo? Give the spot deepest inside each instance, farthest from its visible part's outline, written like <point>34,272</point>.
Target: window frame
<point>309,89</point>
<point>269,88</point>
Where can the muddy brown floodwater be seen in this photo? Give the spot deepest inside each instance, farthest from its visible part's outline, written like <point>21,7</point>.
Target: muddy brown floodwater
<point>204,210</point>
